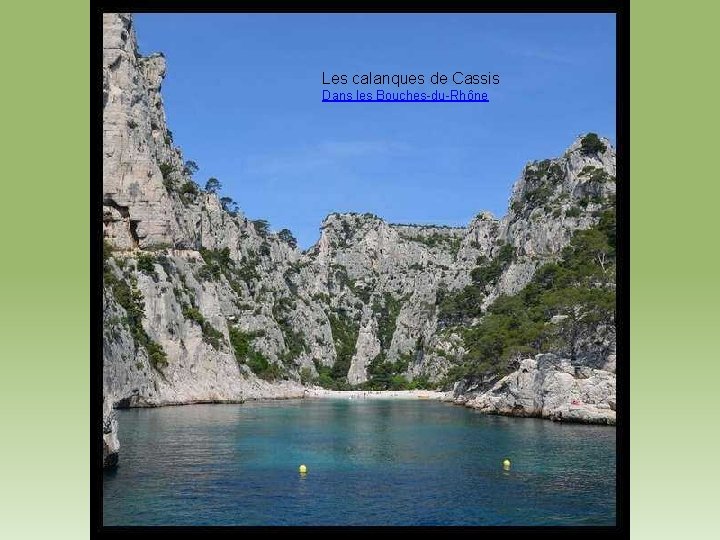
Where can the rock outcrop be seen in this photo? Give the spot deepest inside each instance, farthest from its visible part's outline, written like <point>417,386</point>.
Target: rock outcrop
<point>201,304</point>
<point>111,445</point>
<point>548,387</point>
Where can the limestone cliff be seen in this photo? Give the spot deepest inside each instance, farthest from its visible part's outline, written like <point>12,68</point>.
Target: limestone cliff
<point>202,304</point>
<point>111,445</point>
<point>547,387</point>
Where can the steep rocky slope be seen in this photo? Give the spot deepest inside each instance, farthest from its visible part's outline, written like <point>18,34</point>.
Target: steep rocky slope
<point>202,304</point>
<point>549,387</point>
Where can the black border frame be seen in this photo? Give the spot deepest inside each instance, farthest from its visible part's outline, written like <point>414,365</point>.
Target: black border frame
<point>621,9</point>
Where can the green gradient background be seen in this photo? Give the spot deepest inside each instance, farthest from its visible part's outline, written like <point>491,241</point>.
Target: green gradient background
<point>44,290</point>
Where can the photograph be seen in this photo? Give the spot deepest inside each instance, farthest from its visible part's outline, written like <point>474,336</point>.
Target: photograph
<point>360,269</point>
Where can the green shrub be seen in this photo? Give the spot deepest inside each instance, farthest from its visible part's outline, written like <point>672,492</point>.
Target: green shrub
<point>208,273</point>
<point>217,257</point>
<point>294,341</point>
<point>257,362</point>
<point>381,374</point>
<point>131,300</point>
<point>591,144</point>
<point>464,305</point>
<point>461,306</point>
<point>190,168</point>
<point>213,185</point>
<point>435,240</point>
<point>420,383</point>
<point>156,354</point>
<point>240,342</point>
<point>211,335</point>
<point>387,315</point>
<point>287,236</point>
<point>167,170</point>
<point>402,363</point>
<point>247,271</point>
<point>556,172</point>
<point>488,271</point>
<point>245,354</point>
<point>538,196</point>
<point>345,334</point>
<point>107,252</point>
<point>158,246</point>
<point>217,262</point>
<point>573,212</point>
<point>189,188</point>
<point>580,287</point>
<point>398,382</point>
<point>230,206</point>
<point>326,379</point>
<point>191,313</point>
<point>305,375</point>
<point>188,191</point>
<point>595,174</point>
<point>146,263</point>
<point>261,227</point>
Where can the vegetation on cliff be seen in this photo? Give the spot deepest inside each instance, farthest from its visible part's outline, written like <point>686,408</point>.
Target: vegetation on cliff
<point>564,303</point>
<point>127,295</point>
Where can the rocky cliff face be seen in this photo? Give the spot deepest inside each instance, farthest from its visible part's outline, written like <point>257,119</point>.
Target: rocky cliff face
<point>547,387</point>
<point>202,304</point>
<point>111,445</point>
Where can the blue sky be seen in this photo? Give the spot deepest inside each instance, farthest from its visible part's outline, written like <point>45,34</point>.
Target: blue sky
<point>243,99</point>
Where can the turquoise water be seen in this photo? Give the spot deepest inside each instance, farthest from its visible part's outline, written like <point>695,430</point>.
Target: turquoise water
<point>370,463</point>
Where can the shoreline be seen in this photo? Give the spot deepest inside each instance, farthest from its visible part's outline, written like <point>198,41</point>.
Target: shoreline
<point>317,392</point>
<point>321,393</point>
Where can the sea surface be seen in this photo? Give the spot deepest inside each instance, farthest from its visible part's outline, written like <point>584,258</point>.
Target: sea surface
<point>375,462</point>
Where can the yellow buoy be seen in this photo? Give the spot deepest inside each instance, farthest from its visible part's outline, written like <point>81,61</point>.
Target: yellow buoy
<point>302,469</point>
<point>506,464</point>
